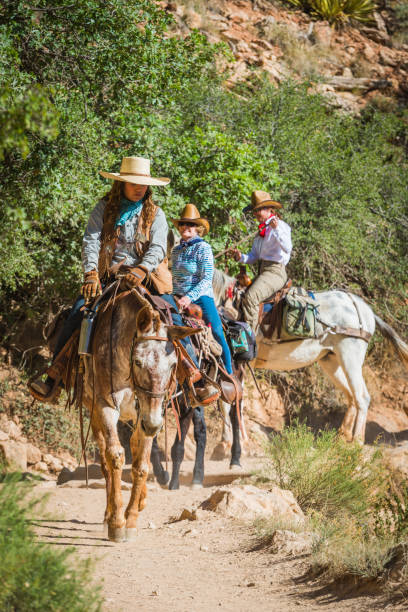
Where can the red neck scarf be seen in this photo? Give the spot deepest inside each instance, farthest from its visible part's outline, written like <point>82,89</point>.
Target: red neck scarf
<point>262,226</point>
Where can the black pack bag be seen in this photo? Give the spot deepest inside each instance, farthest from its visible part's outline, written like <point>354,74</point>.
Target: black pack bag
<point>241,340</point>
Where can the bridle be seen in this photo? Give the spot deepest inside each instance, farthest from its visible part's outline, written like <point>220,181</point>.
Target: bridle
<point>154,394</point>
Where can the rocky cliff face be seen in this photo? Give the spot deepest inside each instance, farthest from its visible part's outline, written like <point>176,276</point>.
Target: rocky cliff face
<point>350,66</point>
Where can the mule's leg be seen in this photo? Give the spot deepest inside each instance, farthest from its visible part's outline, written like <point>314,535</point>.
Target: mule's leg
<point>162,476</point>
<point>115,457</point>
<point>236,442</point>
<point>141,446</point>
<point>351,353</point>
<point>100,440</point>
<point>332,368</point>
<point>200,437</point>
<point>177,450</point>
<point>222,449</point>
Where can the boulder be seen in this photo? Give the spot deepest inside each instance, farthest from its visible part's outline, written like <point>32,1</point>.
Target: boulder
<point>54,464</point>
<point>397,459</point>
<point>10,428</point>
<point>291,543</point>
<point>248,502</point>
<point>193,19</point>
<point>40,466</point>
<point>14,455</point>
<point>33,454</point>
<point>3,436</point>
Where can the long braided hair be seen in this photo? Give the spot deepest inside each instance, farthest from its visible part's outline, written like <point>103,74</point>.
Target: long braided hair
<point>111,213</point>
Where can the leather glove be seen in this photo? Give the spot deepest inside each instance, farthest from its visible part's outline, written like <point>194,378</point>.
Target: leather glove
<point>92,285</point>
<point>133,278</point>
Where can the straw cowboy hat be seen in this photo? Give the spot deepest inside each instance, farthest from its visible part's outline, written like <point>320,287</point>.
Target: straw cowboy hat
<point>260,199</point>
<point>135,170</point>
<point>191,215</point>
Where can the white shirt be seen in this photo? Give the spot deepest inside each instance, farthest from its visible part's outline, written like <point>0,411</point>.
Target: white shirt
<point>275,246</point>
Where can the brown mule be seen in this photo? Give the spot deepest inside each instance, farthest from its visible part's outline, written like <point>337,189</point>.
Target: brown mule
<point>133,353</point>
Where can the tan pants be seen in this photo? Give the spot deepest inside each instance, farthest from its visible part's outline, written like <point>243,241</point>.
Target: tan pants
<point>271,278</point>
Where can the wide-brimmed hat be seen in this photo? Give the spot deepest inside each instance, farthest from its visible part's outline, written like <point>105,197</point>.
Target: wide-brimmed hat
<point>191,215</point>
<point>260,199</point>
<point>135,170</point>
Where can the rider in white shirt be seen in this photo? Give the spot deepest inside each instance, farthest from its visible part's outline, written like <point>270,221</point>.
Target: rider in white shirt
<point>271,248</point>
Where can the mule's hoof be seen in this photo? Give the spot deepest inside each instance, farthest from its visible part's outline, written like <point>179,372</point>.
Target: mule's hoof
<point>131,534</point>
<point>163,479</point>
<point>236,467</point>
<point>173,486</point>
<point>196,485</point>
<point>117,534</point>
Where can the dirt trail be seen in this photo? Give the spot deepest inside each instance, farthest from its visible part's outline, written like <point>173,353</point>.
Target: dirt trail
<point>203,565</point>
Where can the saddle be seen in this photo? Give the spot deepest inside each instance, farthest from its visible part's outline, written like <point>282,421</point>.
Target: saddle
<point>271,311</point>
<point>293,315</point>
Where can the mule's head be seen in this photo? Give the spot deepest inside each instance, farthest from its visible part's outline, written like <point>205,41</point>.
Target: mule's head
<point>154,360</point>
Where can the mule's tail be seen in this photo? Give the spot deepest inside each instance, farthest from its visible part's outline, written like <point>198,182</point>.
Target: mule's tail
<point>399,345</point>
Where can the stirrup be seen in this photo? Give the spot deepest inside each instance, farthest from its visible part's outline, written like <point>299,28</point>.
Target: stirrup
<point>52,396</point>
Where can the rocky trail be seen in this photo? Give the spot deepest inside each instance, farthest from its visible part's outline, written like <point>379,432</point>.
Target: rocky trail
<point>210,563</point>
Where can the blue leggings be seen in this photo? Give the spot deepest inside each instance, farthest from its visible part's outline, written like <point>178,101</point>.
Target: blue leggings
<point>210,315</point>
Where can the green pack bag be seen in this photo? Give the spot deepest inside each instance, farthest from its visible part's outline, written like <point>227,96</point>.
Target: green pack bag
<point>299,315</point>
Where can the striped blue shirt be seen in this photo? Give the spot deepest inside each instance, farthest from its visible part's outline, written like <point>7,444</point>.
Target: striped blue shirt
<point>192,269</point>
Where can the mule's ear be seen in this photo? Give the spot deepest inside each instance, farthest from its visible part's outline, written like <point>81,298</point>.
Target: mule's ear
<point>178,332</point>
<point>144,319</point>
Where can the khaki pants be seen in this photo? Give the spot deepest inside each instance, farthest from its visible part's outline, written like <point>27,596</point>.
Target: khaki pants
<point>271,278</point>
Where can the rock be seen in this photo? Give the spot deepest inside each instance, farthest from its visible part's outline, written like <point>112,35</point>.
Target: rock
<point>10,428</point>
<point>291,543</point>
<point>387,58</point>
<point>3,436</point>
<point>347,73</point>
<point>53,463</point>
<point>249,502</point>
<point>322,34</point>
<point>41,466</point>
<point>397,459</point>
<point>369,53</point>
<point>33,454</point>
<point>345,83</point>
<point>376,35</point>
<point>204,548</point>
<point>193,19</point>
<point>238,16</point>
<point>14,455</point>
<point>187,515</point>
<point>264,44</point>
<point>264,25</point>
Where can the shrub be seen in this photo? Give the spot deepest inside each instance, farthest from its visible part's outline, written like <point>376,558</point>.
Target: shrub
<point>326,474</point>
<point>338,11</point>
<point>34,576</point>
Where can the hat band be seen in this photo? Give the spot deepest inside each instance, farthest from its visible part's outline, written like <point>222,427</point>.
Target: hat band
<point>134,174</point>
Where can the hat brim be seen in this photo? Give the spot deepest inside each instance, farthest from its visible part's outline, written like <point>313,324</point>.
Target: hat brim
<point>200,221</point>
<point>136,179</point>
<point>264,204</point>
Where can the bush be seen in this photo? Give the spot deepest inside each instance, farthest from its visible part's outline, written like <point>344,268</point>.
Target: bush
<point>338,11</point>
<point>33,575</point>
<point>327,475</point>
<point>347,497</point>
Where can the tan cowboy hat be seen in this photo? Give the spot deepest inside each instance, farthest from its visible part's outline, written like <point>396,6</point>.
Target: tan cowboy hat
<point>191,214</point>
<point>260,199</point>
<point>135,170</point>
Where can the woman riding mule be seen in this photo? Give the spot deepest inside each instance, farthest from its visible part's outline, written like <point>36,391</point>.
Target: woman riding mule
<point>126,236</point>
<point>192,271</point>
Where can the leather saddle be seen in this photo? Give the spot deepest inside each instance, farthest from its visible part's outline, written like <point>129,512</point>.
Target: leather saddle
<point>271,311</point>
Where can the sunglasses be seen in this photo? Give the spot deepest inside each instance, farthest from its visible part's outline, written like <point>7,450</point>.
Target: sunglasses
<point>187,224</point>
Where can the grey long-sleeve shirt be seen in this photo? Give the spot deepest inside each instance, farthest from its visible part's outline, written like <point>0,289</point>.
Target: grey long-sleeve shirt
<point>125,246</point>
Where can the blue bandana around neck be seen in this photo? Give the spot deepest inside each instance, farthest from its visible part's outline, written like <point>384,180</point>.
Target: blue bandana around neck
<point>184,243</point>
<point>128,209</point>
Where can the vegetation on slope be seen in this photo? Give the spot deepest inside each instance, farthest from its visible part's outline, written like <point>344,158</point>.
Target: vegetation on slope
<point>355,507</point>
<point>87,85</point>
<point>33,575</point>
